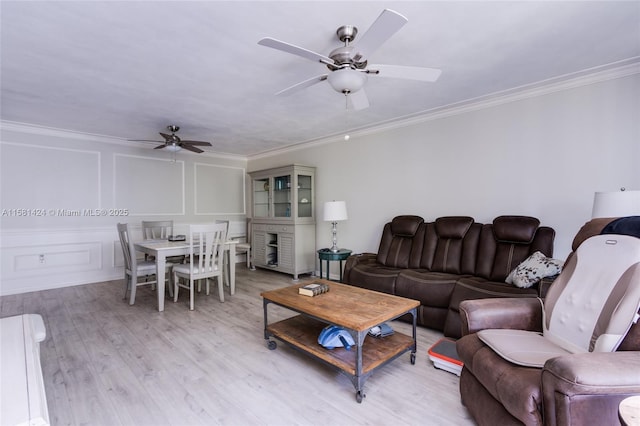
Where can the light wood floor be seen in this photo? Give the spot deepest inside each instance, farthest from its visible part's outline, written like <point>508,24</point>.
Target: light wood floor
<point>108,363</point>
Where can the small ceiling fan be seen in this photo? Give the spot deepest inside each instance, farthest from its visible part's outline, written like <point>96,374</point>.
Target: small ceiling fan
<point>174,143</point>
<point>348,65</point>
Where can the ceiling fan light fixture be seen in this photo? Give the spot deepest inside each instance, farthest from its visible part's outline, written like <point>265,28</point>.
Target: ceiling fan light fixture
<point>347,80</point>
<point>173,147</point>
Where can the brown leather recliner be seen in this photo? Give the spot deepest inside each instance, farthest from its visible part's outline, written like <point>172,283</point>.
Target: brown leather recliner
<point>575,389</point>
<point>451,259</point>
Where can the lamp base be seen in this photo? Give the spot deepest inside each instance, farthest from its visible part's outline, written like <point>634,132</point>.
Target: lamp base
<point>334,231</point>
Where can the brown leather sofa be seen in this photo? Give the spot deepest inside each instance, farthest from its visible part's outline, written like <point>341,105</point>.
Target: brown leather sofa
<point>452,259</point>
<point>577,389</point>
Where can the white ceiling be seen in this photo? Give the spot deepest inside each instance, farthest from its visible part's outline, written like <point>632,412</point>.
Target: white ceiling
<point>127,69</point>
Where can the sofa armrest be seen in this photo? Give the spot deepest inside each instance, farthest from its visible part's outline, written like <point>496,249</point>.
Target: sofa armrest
<point>588,387</point>
<point>512,313</point>
<point>544,285</point>
<point>354,260</point>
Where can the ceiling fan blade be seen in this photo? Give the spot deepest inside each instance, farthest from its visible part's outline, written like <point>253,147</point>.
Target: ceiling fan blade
<point>387,24</point>
<point>302,85</point>
<point>170,138</point>
<point>358,100</point>
<point>191,148</point>
<point>164,145</point>
<point>408,73</point>
<point>295,50</point>
<point>197,143</point>
<point>144,140</point>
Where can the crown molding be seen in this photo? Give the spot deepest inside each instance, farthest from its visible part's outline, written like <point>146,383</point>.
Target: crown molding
<point>586,77</point>
<point>91,137</point>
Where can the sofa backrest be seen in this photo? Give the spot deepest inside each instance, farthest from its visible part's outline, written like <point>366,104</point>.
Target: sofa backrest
<point>508,241</point>
<point>400,238</point>
<point>450,245</point>
<point>459,245</point>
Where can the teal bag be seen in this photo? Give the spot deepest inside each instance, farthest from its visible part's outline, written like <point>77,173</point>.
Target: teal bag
<point>333,336</point>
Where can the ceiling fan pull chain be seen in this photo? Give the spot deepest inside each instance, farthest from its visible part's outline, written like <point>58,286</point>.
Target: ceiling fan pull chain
<point>346,116</point>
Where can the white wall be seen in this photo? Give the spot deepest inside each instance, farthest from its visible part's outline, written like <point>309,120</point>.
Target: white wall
<point>62,193</point>
<point>542,155</point>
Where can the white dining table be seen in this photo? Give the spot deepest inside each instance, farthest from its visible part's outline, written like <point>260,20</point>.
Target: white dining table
<point>161,249</point>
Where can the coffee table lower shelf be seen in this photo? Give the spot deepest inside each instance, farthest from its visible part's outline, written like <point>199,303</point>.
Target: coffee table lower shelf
<point>301,332</point>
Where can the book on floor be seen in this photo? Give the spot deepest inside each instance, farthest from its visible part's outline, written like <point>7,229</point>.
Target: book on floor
<point>313,289</point>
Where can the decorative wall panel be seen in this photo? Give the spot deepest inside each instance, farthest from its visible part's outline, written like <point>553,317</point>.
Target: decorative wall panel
<point>55,178</point>
<point>218,189</point>
<point>148,186</point>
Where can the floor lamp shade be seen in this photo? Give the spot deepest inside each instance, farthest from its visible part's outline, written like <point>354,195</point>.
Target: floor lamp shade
<point>616,204</point>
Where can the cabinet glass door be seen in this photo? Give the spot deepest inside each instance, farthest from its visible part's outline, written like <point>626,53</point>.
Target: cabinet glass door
<point>282,196</point>
<point>305,196</point>
<point>261,197</point>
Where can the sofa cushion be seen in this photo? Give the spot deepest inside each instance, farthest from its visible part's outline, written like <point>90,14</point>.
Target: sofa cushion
<point>453,226</point>
<point>521,347</point>
<point>374,277</point>
<point>451,245</point>
<point>509,241</point>
<point>533,269</point>
<point>405,226</point>
<point>400,239</point>
<point>469,288</point>
<point>515,229</point>
<point>430,288</point>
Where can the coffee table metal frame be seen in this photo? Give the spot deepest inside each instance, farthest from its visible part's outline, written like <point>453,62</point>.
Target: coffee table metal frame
<point>301,332</point>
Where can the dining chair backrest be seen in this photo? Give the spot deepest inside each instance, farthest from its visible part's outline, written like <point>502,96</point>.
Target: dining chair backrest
<point>226,222</point>
<point>128,251</point>
<point>157,229</point>
<point>207,244</point>
<point>248,230</point>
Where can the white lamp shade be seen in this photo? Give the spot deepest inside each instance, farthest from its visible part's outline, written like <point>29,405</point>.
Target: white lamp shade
<point>335,211</point>
<point>173,148</point>
<point>347,80</point>
<point>616,204</point>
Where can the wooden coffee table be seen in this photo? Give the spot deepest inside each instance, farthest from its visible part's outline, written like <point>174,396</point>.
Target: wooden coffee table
<point>354,308</point>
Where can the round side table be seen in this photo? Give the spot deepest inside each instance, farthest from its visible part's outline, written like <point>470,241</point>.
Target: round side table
<point>629,411</point>
<point>328,255</point>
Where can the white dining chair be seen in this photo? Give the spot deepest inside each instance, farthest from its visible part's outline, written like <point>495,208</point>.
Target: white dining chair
<point>246,246</point>
<point>205,259</point>
<point>226,259</point>
<point>157,229</point>
<point>135,268</point>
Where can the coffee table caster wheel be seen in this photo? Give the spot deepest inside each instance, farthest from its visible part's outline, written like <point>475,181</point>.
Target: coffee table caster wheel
<point>359,396</point>
<point>272,345</point>
<point>413,359</point>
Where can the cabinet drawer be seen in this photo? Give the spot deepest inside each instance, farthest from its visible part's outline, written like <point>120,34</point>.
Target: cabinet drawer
<point>279,228</point>
<point>270,227</point>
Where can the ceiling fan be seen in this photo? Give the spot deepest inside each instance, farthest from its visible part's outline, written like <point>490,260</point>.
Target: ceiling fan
<point>174,143</point>
<point>348,65</point>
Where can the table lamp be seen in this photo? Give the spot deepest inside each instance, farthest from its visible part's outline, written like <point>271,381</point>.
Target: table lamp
<point>616,204</point>
<point>335,211</point>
